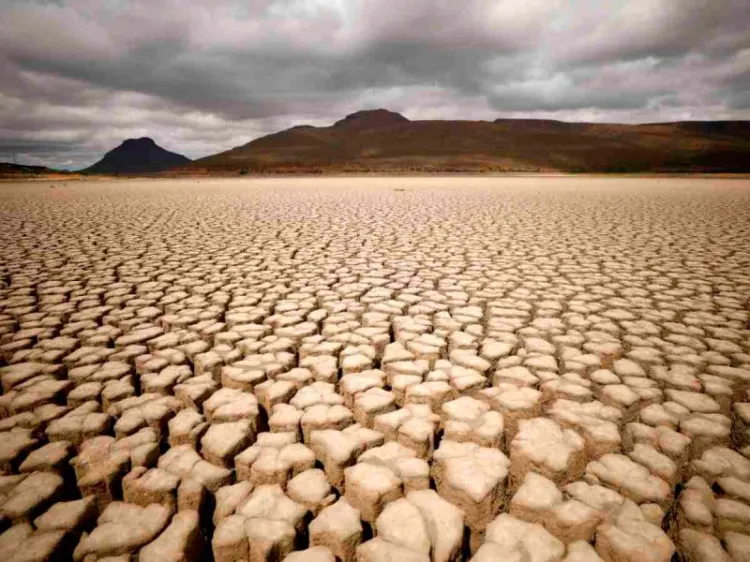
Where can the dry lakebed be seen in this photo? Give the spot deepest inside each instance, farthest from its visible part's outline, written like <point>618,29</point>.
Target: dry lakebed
<point>528,369</point>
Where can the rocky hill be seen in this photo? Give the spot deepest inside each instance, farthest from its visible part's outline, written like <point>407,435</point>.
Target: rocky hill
<point>383,141</point>
<point>137,156</point>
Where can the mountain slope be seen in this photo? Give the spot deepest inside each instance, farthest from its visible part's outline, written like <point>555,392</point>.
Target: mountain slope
<point>383,141</point>
<point>12,170</point>
<point>137,156</point>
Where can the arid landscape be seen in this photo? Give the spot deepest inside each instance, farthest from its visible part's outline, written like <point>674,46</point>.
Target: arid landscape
<point>375,369</point>
<point>374,281</point>
<point>381,141</point>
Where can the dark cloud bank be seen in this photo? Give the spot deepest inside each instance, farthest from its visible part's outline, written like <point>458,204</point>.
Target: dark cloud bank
<point>78,76</point>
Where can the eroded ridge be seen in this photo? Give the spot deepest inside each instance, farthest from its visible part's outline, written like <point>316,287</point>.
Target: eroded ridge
<point>469,369</point>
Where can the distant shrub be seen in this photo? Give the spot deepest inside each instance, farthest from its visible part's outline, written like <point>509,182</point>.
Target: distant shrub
<point>244,171</point>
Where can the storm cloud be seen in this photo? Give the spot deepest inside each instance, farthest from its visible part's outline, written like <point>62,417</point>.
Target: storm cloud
<point>79,76</point>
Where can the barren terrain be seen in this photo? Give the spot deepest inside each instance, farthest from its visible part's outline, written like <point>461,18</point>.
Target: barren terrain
<point>383,142</point>
<point>521,369</point>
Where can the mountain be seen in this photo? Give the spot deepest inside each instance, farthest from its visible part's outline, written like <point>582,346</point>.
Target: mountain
<point>8,169</point>
<point>12,171</point>
<point>383,141</point>
<point>137,156</point>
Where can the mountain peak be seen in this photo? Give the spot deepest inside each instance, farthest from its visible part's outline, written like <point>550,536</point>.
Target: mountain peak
<point>372,118</point>
<point>144,141</point>
<point>137,156</point>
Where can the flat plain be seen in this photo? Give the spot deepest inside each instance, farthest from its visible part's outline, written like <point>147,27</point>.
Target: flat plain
<point>522,369</point>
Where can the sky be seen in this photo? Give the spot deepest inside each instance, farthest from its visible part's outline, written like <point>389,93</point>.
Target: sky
<point>79,76</point>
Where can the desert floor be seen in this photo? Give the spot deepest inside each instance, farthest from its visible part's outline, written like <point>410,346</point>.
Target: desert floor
<point>525,369</point>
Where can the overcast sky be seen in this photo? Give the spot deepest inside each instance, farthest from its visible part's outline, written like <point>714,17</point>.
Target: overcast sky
<point>200,76</point>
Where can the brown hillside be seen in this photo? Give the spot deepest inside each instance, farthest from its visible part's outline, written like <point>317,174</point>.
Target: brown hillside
<point>382,141</point>
<point>10,171</point>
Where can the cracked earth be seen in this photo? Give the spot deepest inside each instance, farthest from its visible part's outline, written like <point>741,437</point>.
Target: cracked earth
<point>375,369</point>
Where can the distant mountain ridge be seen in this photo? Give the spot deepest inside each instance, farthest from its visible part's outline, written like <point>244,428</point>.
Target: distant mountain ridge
<point>10,169</point>
<point>13,171</point>
<point>383,141</point>
<point>371,118</point>
<point>137,156</point>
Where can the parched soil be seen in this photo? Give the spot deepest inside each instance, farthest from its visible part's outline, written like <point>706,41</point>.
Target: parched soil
<point>373,369</point>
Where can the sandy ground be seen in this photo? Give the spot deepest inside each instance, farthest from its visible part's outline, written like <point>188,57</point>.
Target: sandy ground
<point>375,369</point>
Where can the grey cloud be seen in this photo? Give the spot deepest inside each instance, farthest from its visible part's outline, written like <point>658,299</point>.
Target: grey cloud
<point>661,28</point>
<point>79,75</point>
